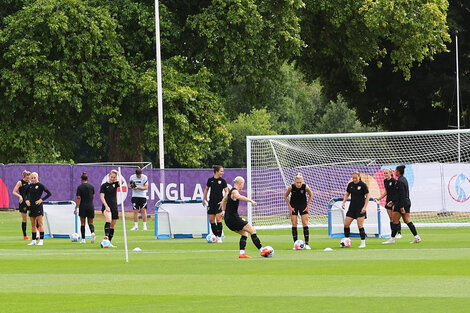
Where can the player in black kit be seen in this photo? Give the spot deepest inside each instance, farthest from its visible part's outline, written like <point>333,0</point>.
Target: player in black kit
<point>298,205</point>
<point>20,191</point>
<point>85,195</point>
<point>217,186</point>
<point>108,195</point>
<point>390,184</point>
<point>235,223</point>
<point>402,207</point>
<point>357,207</point>
<point>34,203</point>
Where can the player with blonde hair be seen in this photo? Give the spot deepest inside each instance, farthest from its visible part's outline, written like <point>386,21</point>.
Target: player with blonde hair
<point>298,205</point>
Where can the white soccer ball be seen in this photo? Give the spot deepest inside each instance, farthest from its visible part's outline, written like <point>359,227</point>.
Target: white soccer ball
<point>299,245</point>
<point>105,243</point>
<point>345,243</point>
<point>74,237</point>
<point>270,254</point>
<point>211,238</point>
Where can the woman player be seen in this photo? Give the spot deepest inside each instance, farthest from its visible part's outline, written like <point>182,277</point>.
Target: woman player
<point>85,195</point>
<point>34,203</point>
<point>217,186</point>
<point>357,207</point>
<point>108,195</point>
<point>235,223</point>
<point>20,191</point>
<point>390,184</point>
<point>402,207</point>
<point>298,205</point>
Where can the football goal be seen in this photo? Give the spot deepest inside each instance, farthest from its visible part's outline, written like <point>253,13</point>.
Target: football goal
<point>436,163</point>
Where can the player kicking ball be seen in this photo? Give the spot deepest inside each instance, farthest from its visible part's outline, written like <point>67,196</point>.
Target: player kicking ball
<point>235,223</point>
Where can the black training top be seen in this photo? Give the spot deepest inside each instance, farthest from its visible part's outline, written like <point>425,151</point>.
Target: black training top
<point>298,197</point>
<point>403,193</point>
<point>357,192</point>
<point>231,208</point>
<point>217,186</point>
<point>23,188</point>
<point>34,193</point>
<point>391,188</point>
<point>86,191</point>
<point>110,194</point>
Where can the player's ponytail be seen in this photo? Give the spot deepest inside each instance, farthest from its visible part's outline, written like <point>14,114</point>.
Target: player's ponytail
<point>84,176</point>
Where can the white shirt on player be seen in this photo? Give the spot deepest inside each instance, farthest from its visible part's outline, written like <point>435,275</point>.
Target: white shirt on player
<point>139,182</point>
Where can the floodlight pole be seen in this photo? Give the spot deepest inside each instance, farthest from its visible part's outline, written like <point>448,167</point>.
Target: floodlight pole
<point>161,151</point>
<point>458,91</point>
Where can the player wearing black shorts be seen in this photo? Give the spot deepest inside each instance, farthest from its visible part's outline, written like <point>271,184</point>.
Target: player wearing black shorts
<point>217,185</point>
<point>34,203</point>
<point>108,195</point>
<point>235,223</point>
<point>357,207</point>
<point>402,207</point>
<point>390,184</point>
<point>20,191</point>
<point>298,205</point>
<point>85,195</point>
<point>138,182</point>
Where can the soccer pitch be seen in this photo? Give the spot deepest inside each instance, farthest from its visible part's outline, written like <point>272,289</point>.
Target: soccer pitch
<point>190,275</point>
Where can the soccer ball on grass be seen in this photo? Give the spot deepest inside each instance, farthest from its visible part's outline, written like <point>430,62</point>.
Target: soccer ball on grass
<point>105,243</point>
<point>299,245</point>
<point>345,243</point>
<point>74,237</point>
<point>211,238</point>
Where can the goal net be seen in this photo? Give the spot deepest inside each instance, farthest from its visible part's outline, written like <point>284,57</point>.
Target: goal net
<point>436,162</point>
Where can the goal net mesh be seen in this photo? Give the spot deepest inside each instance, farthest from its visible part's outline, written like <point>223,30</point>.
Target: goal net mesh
<point>435,162</point>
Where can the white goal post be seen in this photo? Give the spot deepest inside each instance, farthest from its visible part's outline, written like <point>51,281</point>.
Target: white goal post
<point>437,169</point>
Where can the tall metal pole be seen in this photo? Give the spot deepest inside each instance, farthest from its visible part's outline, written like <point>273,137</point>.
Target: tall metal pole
<point>458,91</point>
<point>161,152</point>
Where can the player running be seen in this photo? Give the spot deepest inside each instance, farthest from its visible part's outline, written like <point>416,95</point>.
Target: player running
<point>20,191</point>
<point>36,211</point>
<point>235,223</point>
<point>108,196</point>
<point>402,207</point>
<point>84,202</point>
<point>139,184</point>
<point>390,184</point>
<point>298,205</point>
<point>217,186</point>
<point>357,207</point>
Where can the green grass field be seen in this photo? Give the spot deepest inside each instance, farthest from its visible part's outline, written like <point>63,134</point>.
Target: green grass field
<point>190,275</point>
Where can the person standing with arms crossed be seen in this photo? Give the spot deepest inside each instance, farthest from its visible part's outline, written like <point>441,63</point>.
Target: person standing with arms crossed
<point>139,184</point>
<point>36,211</point>
<point>84,202</point>
<point>20,191</point>
<point>217,186</point>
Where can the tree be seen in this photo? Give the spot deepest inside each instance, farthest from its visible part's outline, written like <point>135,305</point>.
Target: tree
<point>258,122</point>
<point>343,38</point>
<point>61,71</point>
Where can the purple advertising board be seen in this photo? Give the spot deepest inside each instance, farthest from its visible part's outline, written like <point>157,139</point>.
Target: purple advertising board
<point>63,179</point>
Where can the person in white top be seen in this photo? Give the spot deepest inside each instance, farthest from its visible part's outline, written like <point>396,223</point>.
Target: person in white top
<point>139,184</point>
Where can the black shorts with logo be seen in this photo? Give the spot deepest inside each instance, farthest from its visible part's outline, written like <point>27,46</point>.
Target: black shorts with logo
<point>139,203</point>
<point>299,210</point>
<point>114,213</point>
<point>23,208</point>
<point>406,206</point>
<point>35,211</point>
<point>235,223</point>
<point>213,208</point>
